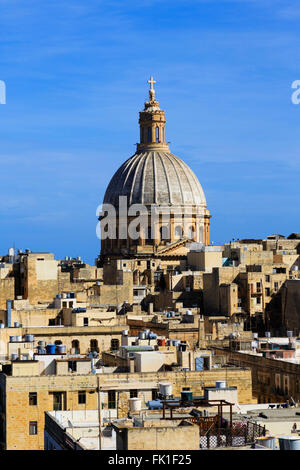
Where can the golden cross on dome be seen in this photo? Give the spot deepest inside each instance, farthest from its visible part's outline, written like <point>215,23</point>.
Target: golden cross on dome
<point>151,81</point>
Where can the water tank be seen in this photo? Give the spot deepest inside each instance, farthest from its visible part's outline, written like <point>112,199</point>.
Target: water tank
<point>220,384</point>
<point>186,395</point>
<point>289,334</point>
<point>19,338</point>
<point>50,348</point>
<point>255,335</point>
<point>165,389</point>
<point>267,441</point>
<point>188,312</point>
<point>146,332</point>
<point>267,334</point>
<point>152,335</point>
<point>125,332</point>
<point>14,357</point>
<point>135,404</point>
<point>41,350</point>
<point>154,405</point>
<point>61,349</point>
<point>29,338</point>
<point>42,343</point>
<point>289,443</point>
<point>11,339</point>
<point>2,325</point>
<point>16,324</point>
<point>142,335</point>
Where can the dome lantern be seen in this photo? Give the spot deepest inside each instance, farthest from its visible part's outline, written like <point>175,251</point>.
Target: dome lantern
<point>152,123</point>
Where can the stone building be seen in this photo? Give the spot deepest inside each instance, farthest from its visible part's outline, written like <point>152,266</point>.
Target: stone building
<point>25,395</point>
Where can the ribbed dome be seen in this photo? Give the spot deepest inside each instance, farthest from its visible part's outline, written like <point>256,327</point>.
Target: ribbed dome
<point>155,177</point>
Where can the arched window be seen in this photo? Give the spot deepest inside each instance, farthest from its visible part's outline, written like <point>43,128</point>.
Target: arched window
<point>178,232</point>
<point>149,135</point>
<point>115,343</point>
<point>201,237</point>
<point>164,232</point>
<point>76,346</point>
<point>57,342</point>
<point>94,345</point>
<point>191,233</point>
<point>143,135</point>
<point>157,134</point>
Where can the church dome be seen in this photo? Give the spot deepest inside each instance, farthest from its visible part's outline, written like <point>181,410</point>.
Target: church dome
<point>155,176</point>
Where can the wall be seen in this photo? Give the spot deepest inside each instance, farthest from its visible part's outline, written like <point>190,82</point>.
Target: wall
<point>162,438</point>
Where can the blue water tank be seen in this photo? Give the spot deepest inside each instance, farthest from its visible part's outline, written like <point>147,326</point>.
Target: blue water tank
<point>50,348</point>
<point>154,405</point>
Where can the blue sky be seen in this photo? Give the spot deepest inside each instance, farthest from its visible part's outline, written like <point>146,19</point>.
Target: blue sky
<point>76,75</point>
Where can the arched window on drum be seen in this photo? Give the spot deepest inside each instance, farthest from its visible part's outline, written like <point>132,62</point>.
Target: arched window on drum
<point>201,235</point>
<point>164,233</point>
<point>191,233</point>
<point>178,232</point>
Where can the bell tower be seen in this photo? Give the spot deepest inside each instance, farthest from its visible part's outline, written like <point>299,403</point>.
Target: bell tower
<point>152,124</point>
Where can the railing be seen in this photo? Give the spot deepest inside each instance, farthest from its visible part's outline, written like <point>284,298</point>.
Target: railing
<point>240,434</point>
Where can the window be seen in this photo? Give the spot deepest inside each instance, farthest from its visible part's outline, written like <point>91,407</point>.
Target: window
<point>85,321</point>
<point>149,134</point>
<point>32,398</point>
<point>133,393</point>
<point>258,300</point>
<point>32,428</point>
<point>75,346</point>
<point>154,393</point>
<point>258,286</point>
<point>72,366</point>
<point>115,344</point>
<point>111,399</point>
<point>157,134</point>
<point>276,286</point>
<point>164,232</point>
<point>267,278</point>
<point>94,345</point>
<point>82,397</point>
<point>178,232</point>
<point>267,291</point>
<point>190,233</point>
<point>59,400</point>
